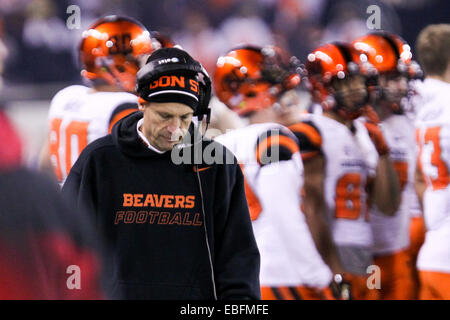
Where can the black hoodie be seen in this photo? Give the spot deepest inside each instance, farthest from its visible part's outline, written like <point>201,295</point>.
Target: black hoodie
<point>150,211</point>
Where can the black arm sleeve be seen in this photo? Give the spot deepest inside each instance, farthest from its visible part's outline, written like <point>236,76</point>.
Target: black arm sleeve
<point>309,139</point>
<point>121,111</point>
<point>276,145</point>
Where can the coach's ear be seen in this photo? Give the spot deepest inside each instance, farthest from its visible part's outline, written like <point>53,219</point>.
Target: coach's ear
<point>141,103</point>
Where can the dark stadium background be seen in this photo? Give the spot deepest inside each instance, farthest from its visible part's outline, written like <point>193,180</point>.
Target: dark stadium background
<point>42,51</point>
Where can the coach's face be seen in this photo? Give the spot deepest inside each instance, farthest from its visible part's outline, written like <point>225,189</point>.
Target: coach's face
<point>165,124</point>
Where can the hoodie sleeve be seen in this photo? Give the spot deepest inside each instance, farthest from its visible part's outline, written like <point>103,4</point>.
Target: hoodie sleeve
<point>79,187</point>
<point>237,259</point>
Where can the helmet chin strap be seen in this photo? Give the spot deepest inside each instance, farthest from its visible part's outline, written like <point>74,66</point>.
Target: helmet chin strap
<point>383,100</point>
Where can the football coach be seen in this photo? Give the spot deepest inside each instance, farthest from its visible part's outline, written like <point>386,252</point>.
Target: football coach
<point>177,231</point>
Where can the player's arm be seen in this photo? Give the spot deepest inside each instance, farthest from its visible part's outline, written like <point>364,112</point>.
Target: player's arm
<point>384,189</point>
<point>419,184</point>
<point>44,161</point>
<point>313,200</point>
<point>314,210</point>
<point>121,112</point>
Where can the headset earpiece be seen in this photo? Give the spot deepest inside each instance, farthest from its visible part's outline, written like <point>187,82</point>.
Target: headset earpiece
<point>205,96</point>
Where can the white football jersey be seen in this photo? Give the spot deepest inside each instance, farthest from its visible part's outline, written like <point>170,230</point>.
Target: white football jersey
<point>288,253</point>
<point>351,158</point>
<point>242,142</point>
<point>433,137</point>
<point>79,115</point>
<point>391,234</point>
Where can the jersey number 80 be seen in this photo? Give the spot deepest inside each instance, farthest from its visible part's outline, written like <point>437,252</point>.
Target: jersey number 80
<point>67,139</point>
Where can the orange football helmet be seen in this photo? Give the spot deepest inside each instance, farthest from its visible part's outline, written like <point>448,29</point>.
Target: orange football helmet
<point>164,40</point>
<point>249,78</point>
<point>392,57</point>
<point>388,53</point>
<point>111,51</point>
<point>335,61</point>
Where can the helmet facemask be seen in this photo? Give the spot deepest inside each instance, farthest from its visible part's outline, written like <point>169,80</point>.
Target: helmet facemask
<point>392,58</point>
<point>112,51</point>
<point>351,95</point>
<point>250,78</point>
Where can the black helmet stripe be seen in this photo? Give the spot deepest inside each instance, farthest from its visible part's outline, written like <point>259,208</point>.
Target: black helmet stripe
<point>391,42</point>
<point>343,49</point>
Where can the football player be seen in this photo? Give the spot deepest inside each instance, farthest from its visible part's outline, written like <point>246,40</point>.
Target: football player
<point>257,83</point>
<point>111,52</point>
<point>433,170</point>
<point>345,164</point>
<point>391,56</point>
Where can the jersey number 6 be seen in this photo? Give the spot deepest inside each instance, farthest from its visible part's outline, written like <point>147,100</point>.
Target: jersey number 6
<point>348,196</point>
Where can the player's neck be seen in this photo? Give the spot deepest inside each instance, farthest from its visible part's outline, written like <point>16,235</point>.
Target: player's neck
<point>338,118</point>
<point>106,88</point>
<point>265,117</point>
<point>259,116</point>
<point>440,78</point>
<point>445,77</point>
<point>252,120</point>
<point>383,111</point>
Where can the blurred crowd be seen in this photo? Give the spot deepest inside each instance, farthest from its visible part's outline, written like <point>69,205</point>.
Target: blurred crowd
<point>43,49</point>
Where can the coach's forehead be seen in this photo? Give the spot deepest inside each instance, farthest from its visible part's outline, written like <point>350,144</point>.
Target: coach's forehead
<point>174,108</point>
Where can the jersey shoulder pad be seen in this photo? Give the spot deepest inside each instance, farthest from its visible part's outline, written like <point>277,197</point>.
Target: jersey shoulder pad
<point>309,138</point>
<point>121,111</point>
<point>277,144</point>
<point>67,96</point>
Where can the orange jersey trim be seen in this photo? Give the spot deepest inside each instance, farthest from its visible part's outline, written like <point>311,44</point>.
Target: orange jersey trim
<point>308,131</point>
<point>254,205</point>
<point>120,115</point>
<point>309,155</point>
<point>141,100</point>
<point>283,141</point>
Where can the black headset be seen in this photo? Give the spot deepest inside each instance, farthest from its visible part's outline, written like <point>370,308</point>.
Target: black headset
<point>178,61</point>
